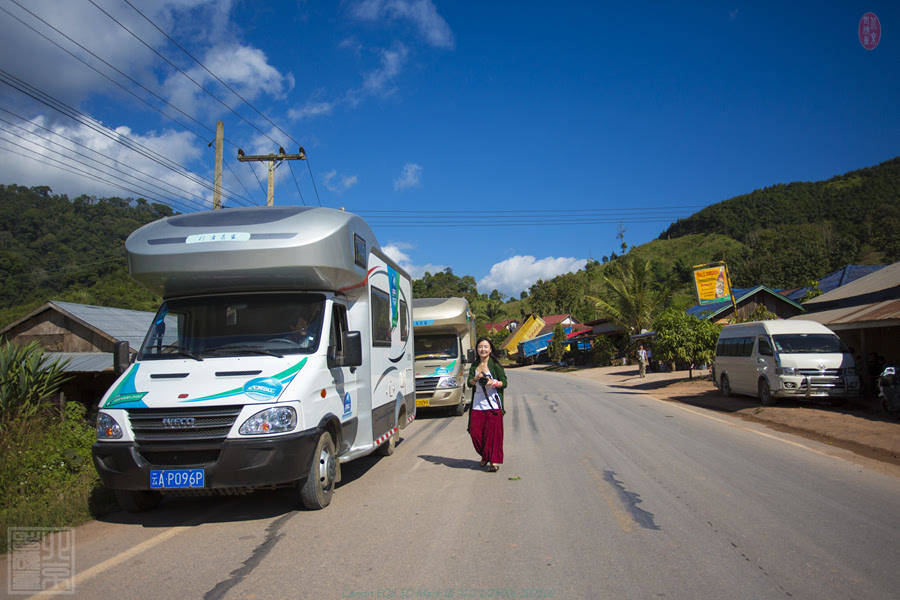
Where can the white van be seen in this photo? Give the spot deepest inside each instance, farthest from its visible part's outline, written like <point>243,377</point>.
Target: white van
<point>784,359</point>
<point>445,338</point>
<point>283,348</point>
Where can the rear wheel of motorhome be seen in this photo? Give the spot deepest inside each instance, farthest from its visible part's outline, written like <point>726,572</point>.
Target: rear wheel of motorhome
<point>387,448</point>
<point>765,394</point>
<point>316,491</point>
<point>137,500</point>
<point>725,386</point>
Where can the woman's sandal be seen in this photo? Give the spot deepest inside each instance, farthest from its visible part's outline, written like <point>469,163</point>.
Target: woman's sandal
<point>494,468</point>
<point>483,462</point>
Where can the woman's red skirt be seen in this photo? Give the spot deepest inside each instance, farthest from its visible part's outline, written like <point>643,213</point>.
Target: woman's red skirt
<point>486,429</point>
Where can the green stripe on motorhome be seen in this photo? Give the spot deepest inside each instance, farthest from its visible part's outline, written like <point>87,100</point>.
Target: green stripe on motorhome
<point>284,377</point>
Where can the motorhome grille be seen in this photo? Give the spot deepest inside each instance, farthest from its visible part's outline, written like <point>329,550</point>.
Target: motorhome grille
<point>179,424</point>
<point>180,458</point>
<point>426,384</point>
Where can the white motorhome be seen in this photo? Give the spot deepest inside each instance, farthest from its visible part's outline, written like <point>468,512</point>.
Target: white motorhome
<point>283,348</point>
<point>784,359</point>
<point>445,338</point>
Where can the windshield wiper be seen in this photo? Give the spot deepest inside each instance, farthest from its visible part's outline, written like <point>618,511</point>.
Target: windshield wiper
<point>181,352</point>
<point>252,349</point>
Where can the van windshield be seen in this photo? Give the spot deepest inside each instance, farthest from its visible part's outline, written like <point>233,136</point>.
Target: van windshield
<point>235,325</point>
<point>436,346</point>
<point>808,343</point>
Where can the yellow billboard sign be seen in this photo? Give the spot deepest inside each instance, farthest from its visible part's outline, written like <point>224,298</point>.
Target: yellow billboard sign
<point>712,283</point>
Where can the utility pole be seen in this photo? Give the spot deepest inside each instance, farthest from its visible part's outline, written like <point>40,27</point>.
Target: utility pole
<point>217,177</point>
<point>272,159</point>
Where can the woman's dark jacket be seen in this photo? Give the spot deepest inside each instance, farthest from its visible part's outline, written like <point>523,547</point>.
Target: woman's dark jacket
<point>497,373</point>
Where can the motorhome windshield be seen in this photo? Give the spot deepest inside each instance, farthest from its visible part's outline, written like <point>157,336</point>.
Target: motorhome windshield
<point>808,343</point>
<point>436,346</point>
<point>235,325</point>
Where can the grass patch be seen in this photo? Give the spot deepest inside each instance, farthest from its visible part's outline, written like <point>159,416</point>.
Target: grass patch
<point>47,478</point>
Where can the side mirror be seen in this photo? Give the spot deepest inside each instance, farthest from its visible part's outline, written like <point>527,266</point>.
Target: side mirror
<point>352,355</point>
<point>121,357</point>
<point>470,355</point>
<point>352,349</point>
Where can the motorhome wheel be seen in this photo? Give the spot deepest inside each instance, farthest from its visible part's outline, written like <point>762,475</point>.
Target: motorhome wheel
<point>316,491</point>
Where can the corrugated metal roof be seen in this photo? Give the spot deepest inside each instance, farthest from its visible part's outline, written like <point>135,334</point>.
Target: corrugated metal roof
<point>709,311</point>
<point>837,279</point>
<point>870,300</point>
<point>83,362</point>
<point>118,323</point>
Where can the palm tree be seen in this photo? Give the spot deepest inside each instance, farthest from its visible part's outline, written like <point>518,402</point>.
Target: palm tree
<point>630,296</point>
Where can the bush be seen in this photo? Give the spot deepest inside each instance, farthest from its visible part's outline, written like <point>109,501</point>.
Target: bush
<point>47,478</point>
<point>603,351</point>
<point>27,381</point>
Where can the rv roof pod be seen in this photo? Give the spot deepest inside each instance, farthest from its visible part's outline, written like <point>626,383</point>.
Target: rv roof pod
<point>251,249</point>
<point>445,338</point>
<point>283,348</point>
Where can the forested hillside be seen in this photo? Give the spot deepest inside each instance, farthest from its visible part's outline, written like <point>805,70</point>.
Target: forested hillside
<point>795,232</point>
<point>52,247</point>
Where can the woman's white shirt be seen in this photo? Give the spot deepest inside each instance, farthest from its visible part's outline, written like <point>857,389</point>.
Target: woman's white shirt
<point>480,402</point>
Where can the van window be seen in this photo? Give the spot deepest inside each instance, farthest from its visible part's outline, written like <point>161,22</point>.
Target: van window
<point>338,327</point>
<point>381,318</point>
<point>742,346</point>
<point>808,343</point>
<point>443,345</point>
<point>764,348</point>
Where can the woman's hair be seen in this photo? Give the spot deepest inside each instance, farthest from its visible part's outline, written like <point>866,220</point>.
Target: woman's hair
<point>490,343</point>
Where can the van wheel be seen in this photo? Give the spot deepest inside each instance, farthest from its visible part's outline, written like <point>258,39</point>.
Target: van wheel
<point>765,394</point>
<point>135,501</point>
<point>725,386</point>
<point>387,448</point>
<point>317,489</point>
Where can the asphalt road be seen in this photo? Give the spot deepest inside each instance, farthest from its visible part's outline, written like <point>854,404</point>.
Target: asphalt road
<point>605,493</point>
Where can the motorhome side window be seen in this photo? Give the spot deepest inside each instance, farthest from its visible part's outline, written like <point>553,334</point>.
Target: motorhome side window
<point>404,321</point>
<point>381,318</point>
<point>235,325</point>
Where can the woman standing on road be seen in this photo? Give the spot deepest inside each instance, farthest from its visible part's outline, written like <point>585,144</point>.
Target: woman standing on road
<point>488,380</point>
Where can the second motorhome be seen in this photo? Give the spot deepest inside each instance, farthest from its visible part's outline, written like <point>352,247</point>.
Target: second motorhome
<point>282,348</point>
<point>445,342</point>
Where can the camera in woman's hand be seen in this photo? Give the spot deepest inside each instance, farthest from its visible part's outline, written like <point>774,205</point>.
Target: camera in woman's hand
<point>483,380</point>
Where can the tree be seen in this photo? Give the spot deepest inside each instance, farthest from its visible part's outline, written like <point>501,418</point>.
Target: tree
<point>557,348</point>
<point>629,295</point>
<point>684,338</point>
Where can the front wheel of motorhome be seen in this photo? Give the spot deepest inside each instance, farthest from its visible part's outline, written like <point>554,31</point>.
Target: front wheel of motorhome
<point>765,394</point>
<point>460,409</point>
<point>316,491</point>
<point>135,501</point>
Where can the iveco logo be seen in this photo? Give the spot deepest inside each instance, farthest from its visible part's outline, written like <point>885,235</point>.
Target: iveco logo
<point>178,422</point>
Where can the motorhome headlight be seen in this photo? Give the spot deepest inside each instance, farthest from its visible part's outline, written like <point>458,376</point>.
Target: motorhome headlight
<point>107,428</point>
<point>787,371</point>
<point>448,381</point>
<point>271,420</point>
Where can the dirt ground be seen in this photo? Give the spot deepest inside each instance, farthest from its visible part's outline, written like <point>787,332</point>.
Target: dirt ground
<point>860,429</point>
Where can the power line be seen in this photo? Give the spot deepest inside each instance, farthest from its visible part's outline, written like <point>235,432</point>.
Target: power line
<point>79,117</point>
<point>295,179</point>
<point>115,160</point>
<point>177,68</point>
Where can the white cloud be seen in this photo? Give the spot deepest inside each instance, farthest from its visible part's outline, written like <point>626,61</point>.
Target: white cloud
<point>67,143</point>
<point>310,110</point>
<point>338,183</point>
<point>518,273</point>
<point>398,252</point>
<point>421,14</point>
<point>409,177</point>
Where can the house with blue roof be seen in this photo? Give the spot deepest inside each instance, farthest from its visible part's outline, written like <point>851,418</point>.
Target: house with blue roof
<point>834,280</point>
<point>748,301</point>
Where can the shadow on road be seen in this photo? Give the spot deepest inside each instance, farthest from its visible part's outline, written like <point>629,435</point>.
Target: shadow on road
<point>453,463</point>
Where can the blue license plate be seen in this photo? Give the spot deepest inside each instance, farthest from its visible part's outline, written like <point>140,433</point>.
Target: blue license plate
<point>176,478</point>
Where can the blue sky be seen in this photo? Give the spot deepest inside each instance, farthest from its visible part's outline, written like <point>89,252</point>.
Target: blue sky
<point>505,140</point>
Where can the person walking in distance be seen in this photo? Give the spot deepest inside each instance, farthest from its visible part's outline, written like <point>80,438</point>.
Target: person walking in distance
<point>642,361</point>
<point>488,381</point>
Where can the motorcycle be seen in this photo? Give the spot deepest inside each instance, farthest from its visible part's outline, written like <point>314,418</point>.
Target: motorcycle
<point>889,391</point>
